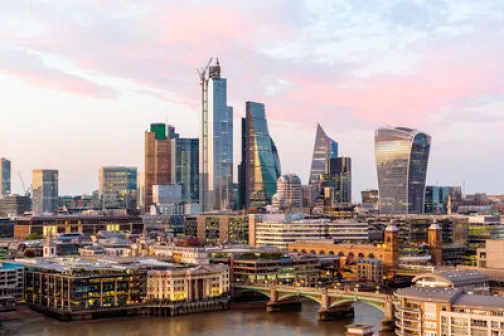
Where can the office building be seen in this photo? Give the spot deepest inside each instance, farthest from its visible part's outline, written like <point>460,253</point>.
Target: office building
<point>158,160</point>
<point>218,229</point>
<point>370,270</point>
<point>5,177</point>
<point>45,191</point>
<point>370,199</point>
<point>309,196</point>
<point>324,150</point>
<point>402,155</point>
<point>447,311</point>
<point>187,168</point>
<point>216,143</point>
<point>87,224</point>
<point>288,195</point>
<point>442,199</point>
<point>141,190</point>
<point>12,205</point>
<point>11,281</point>
<point>261,162</point>
<point>341,174</point>
<point>167,194</point>
<point>118,187</point>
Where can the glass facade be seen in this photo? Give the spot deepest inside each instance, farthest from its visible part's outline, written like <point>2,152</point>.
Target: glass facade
<point>187,166</point>
<point>324,150</point>
<point>118,188</point>
<point>5,177</point>
<point>402,155</point>
<point>436,199</point>
<point>216,144</point>
<point>261,161</point>
<point>341,172</point>
<point>45,191</point>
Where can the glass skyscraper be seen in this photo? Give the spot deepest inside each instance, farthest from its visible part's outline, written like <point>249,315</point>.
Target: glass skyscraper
<point>261,162</point>
<point>324,150</point>
<point>341,172</point>
<point>186,170</point>
<point>118,188</point>
<point>5,177</point>
<point>216,143</point>
<point>402,155</point>
<point>45,191</point>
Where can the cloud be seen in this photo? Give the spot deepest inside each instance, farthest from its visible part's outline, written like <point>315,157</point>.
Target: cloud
<point>32,69</point>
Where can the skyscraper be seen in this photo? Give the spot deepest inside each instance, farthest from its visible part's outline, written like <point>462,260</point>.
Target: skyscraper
<point>324,150</point>
<point>118,187</point>
<point>158,160</point>
<point>341,172</point>
<point>289,195</point>
<point>402,155</point>
<point>187,168</point>
<point>216,143</point>
<point>261,162</point>
<point>45,191</point>
<point>5,177</point>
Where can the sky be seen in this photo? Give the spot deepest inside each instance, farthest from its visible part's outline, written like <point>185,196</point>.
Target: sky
<point>81,80</point>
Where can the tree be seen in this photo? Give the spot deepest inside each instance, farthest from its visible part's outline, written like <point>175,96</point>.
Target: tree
<point>33,236</point>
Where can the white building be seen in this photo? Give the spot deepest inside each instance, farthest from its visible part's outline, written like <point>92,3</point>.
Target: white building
<point>182,254</point>
<point>167,194</point>
<point>198,283</point>
<point>288,196</point>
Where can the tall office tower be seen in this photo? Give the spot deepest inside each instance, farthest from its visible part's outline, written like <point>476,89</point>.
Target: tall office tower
<point>324,150</point>
<point>158,160</point>
<point>436,199</point>
<point>241,166</point>
<point>5,176</point>
<point>45,191</point>
<point>140,190</point>
<point>187,168</point>
<point>261,161</point>
<point>402,155</point>
<point>288,196</point>
<point>341,172</point>
<point>216,142</point>
<point>118,187</point>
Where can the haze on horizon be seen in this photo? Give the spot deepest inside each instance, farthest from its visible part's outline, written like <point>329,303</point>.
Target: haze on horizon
<point>82,80</point>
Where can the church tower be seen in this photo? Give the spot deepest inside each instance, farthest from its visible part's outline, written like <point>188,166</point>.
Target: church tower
<point>435,242</point>
<point>391,247</point>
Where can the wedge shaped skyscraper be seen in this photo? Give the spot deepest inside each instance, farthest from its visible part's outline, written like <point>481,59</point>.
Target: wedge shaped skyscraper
<point>324,150</point>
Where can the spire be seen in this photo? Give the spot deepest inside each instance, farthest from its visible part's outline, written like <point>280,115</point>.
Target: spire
<point>217,61</point>
<point>434,225</point>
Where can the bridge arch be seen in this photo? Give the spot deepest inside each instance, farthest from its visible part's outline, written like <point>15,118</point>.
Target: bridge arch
<point>370,303</point>
<point>296,295</point>
<point>253,290</point>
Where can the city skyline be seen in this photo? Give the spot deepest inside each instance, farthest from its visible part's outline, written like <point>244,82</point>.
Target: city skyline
<point>423,82</point>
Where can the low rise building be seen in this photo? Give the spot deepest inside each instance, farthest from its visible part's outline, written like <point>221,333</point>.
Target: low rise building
<point>182,254</point>
<point>492,255</point>
<point>370,270</point>
<point>469,280</point>
<point>11,281</point>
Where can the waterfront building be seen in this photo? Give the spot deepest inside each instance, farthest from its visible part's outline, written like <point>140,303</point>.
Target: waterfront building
<point>216,142</point>
<point>402,155</point>
<point>11,281</point>
<point>288,195</point>
<point>12,205</point>
<point>446,311</point>
<point>118,187</point>
<point>200,283</point>
<point>5,177</point>
<point>324,150</point>
<point>158,160</point>
<point>252,268</point>
<point>260,163</point>
<point>45,191</point>
<point>359,330</point>
<point>281,230</point>
<point>469,280</point>
<point>218,229</point>
<point>370,270</point>
<point>187,168</point>
<point>87,224</point>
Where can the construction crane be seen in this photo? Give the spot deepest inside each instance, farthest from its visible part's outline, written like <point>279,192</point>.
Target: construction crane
<point>27,191</point>
<point>202,72</point>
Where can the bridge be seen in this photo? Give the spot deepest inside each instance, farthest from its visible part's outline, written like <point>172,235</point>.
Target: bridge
<point>333,302</point>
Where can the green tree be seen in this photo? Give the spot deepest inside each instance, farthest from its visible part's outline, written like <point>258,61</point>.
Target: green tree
<point>33,236</point>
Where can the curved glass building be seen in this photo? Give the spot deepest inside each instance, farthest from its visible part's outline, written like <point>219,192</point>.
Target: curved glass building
<point>261,161</point>
<point>402,155</point>
<point>324,150</point>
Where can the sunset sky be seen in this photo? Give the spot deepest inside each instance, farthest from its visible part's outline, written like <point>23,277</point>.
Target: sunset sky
<point>81,81</point>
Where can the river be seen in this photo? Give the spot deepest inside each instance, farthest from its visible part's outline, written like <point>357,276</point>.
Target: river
<point>242,322</point>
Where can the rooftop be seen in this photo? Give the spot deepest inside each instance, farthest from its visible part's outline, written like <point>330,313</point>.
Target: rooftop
<point>455,278</point>
<point>430,294</point>
<point>480,302</point>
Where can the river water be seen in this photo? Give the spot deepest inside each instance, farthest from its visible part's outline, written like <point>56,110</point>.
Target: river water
<point>242,322</point>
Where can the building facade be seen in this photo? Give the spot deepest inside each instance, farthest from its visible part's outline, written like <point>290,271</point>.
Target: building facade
<point>261,161</point>
<point>341,177</point>
<point>402,155</point>
<point>45,191</point>
<point>324,150</point>
<point>118,187</point>
<point>288,195</point>
<point>187,168</point>
<point>12,281</point>
<point>218,229</point>
<point>14,205</point>
<point>5,177</point>
<point>216,143</point>
<point>158,160</point>
<point>437,199</point>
